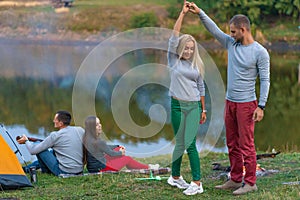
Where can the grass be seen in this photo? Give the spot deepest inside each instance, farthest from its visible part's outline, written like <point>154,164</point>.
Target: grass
<point>282,29</point>
<point>124,185</point>
<point>99,16</point>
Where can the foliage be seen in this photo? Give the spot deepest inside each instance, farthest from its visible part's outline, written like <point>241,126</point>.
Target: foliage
<point>147,19</point>
<point>174,8</point>
<point>281,30</point>
<point>199,32</point>
<point>173,11</point>
<point>93,16</point>
<point>288,7</point>
<point>255,10</point>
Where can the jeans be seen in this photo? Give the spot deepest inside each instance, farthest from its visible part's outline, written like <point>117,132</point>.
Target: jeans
<point>185,118</point>
<point>49,163</point>
<point>35,164</point>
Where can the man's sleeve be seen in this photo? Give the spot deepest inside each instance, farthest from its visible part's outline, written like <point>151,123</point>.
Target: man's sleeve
<point>35,148</point>
<point>212,27</point>
<point>263,65</point>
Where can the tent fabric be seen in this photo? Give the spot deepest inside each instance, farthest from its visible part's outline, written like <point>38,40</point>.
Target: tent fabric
<point>13,182</point>
<point>12,175</point>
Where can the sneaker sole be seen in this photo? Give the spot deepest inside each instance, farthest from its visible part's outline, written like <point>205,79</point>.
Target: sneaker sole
<point>231,188</point>
<point>245,192</point>
<point>242,193</point>
<point>176,185</point>
<point>190,194</point>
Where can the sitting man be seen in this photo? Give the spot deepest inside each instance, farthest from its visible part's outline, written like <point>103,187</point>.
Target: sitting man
<point>66,156</point>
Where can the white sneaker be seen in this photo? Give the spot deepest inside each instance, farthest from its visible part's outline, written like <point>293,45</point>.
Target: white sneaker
<point>180,183</point>
<point>153,167</point>
<point>193,189</point>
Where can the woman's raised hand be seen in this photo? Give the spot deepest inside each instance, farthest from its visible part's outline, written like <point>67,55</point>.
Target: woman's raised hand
<point>186,7</point>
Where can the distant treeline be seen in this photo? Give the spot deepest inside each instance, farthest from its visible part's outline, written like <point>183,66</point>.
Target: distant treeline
<point>256,10</point>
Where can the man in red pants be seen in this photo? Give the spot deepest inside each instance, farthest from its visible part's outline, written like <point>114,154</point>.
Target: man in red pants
<point>247,59</point>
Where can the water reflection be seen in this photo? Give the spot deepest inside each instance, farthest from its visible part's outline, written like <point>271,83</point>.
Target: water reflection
<point>36,81</point>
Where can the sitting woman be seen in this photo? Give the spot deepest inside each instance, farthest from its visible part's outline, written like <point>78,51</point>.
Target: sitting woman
<point>99,156</point>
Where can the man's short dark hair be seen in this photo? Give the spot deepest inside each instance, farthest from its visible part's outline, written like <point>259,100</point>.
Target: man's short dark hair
<point>240,21</point>
<point>64,116</point>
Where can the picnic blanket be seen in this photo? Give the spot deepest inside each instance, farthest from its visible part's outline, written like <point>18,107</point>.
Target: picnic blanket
<point>132,171</point>
<point>260,171</point>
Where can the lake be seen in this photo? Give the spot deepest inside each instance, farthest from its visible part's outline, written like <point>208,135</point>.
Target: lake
<point>125,83</point>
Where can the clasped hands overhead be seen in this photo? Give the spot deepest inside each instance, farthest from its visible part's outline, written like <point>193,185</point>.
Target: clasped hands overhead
<point>190,7</point>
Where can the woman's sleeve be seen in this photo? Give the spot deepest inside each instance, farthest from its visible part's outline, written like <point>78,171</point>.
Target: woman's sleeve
<point>201,86</point>
<point>172,55</point>
<point>112,146</point>
<point>107,149</point>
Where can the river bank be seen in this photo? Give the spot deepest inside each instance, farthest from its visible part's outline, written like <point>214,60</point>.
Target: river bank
<point>93,21</point>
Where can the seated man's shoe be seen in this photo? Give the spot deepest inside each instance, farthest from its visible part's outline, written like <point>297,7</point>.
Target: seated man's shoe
<point>245,189</point>
<point>229,185</point>
<point>25,169</point>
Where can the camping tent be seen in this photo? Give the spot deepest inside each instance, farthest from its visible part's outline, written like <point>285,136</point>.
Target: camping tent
<point>12,175</point>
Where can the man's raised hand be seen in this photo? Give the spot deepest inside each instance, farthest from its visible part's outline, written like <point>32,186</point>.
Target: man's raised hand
<point>193,8</point>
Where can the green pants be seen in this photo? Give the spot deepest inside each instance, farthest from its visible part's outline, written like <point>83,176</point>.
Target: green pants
<point>185,118</point>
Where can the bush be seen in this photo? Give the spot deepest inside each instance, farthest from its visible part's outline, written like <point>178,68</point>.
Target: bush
<point>143,20</point>
<point>290,8</point>
<point>173,11</point>
<point>255,10</point>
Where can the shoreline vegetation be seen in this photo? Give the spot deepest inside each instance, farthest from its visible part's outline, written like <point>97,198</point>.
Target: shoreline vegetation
<point>93,21</point>
<point>281,181</point>
<point>279,46</point>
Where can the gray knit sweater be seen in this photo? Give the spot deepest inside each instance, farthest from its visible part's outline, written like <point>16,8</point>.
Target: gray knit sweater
<point>245,63</point>
<point>186,82</point>
<point>67,145</point>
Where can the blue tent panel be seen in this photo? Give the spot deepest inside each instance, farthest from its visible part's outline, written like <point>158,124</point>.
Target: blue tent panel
<point>13,181</point>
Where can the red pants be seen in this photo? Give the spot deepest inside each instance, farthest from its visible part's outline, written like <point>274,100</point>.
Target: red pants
<point>117,163</point>
<point>240,140</point>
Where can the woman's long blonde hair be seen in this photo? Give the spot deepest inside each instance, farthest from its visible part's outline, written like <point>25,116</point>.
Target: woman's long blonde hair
<point>195,59</point>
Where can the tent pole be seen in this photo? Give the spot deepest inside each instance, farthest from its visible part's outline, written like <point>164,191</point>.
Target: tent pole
<point>18,150</point>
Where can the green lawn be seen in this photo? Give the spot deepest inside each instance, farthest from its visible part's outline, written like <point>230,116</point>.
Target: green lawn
<point>125,186</point>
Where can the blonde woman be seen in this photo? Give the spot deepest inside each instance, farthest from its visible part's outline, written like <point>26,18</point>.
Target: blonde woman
<point>187,93</point>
